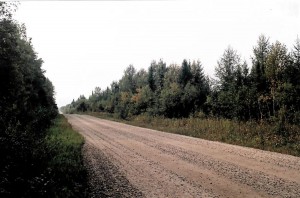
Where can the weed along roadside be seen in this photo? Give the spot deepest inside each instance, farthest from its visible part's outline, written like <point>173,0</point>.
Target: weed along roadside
<point>67,176</point>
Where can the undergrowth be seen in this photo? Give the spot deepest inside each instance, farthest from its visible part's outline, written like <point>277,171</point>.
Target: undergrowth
<point>66,173</point>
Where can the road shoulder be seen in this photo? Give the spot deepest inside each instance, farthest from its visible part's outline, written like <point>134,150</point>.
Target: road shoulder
<point>104,178</point>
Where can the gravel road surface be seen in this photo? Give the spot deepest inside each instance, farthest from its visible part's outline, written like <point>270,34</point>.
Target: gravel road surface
<point>129,161</point>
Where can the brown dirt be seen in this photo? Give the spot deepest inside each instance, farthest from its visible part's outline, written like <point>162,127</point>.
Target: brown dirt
<point>136,162</point>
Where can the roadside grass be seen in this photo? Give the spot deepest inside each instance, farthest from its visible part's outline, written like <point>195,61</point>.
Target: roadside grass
<point>66,175</point>
<point>249,134</point>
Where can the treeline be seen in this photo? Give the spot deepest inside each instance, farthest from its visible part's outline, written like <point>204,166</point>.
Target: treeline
<point>170,91</point>
<point>27,108</point>
<point>269,91</point>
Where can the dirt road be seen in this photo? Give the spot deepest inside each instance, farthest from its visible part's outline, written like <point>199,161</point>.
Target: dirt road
<point>147,163</point>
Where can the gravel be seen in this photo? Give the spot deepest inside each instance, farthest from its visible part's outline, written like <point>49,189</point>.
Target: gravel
<point>128,161</point>
<point>105,179</point>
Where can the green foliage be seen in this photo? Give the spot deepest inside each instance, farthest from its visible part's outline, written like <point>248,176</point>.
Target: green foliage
<point>7,9</point>
<point>156,92</point>
<point>227,68</point>
<point>150,79</point>
<point>128,82</point>
<point>185,74</point>
<point>229,98</point>
<point>66,175</point>
<point>170,100</point>
<point>27,108</point>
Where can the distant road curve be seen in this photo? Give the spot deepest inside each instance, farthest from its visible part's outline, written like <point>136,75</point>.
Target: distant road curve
<point>158,164</point>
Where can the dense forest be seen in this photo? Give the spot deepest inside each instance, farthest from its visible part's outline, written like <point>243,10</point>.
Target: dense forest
<point>27,108</point>
<point>266,91</point>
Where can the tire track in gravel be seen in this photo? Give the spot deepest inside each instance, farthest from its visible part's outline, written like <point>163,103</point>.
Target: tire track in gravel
<point>167,165</point>
<point>247,154</point>
<point>145,171</point>
<point>172,162</point>
<point>232,171</point>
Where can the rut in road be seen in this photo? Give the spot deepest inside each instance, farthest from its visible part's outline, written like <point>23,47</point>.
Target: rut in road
<point>149,163</point>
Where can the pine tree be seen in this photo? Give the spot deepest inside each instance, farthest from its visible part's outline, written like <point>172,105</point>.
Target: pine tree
<point>151,80</point>
<point>185,74</point>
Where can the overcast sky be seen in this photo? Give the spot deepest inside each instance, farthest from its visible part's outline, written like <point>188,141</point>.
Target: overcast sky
<point>85,44</point>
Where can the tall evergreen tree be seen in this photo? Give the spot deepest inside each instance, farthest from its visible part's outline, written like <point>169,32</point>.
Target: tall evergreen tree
<point>128,82</point>
<point>185,74</point>
<point>261,51</point>
<point>151,80</point>
<point>259,87</point>
<point>227,67</point>
<point>229,75</point>
<point>276,64</point>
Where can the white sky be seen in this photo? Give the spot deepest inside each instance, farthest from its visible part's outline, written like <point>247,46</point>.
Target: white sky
<point>85,44</point>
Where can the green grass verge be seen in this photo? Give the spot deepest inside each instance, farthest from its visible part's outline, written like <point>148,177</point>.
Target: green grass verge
<point>249,134</point>
<point>66,173</point>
